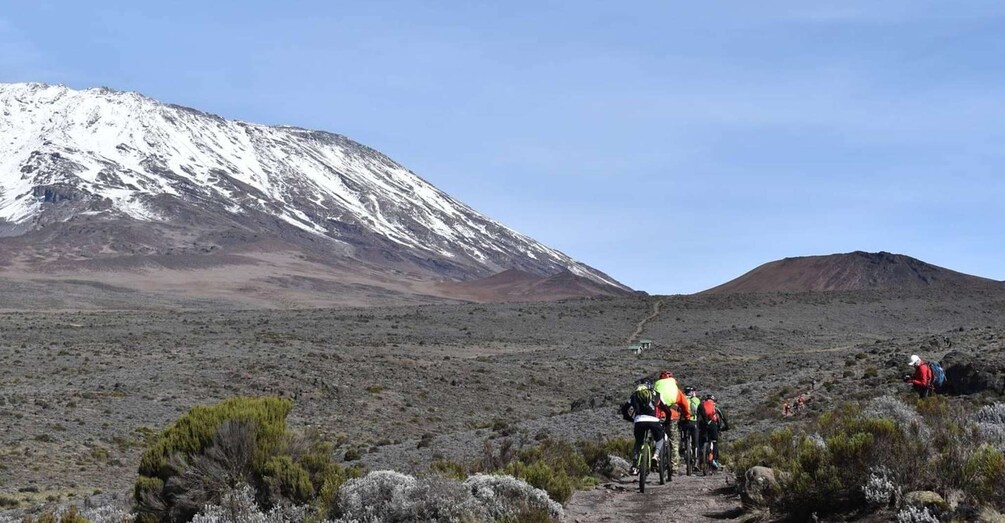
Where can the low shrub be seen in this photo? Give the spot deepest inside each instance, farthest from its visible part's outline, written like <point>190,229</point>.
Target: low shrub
<point>855,457</point>
<point>555,466</point>
<point>506,498</point>
<point>73,514</point>
<point>391,496</point>
<point>238,506</point>
<point>212,450</point>
<point>596,453</point>
<point>449,469</point>
<point>556,482</point>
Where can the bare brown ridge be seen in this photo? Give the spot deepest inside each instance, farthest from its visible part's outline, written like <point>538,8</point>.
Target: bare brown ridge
<point>850,271</point>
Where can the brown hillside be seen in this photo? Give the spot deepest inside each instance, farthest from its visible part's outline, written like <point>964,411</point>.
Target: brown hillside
<point>515,285</point>
<point>850,271</point>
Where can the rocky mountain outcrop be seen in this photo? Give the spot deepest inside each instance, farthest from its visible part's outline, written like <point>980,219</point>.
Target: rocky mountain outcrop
<point>970,374</point>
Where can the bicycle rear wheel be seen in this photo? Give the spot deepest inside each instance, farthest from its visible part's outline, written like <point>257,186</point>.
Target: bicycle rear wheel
<point>704,458</point>
<point>645,456</point>
<point>688,456</point>
<point>664,472</point>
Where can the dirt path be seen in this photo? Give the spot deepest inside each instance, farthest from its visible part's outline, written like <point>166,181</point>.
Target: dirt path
<point>685,499</point>
<point>642,324</point>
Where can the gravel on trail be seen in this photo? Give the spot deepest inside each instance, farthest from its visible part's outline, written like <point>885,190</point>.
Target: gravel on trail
<point>685,499</point>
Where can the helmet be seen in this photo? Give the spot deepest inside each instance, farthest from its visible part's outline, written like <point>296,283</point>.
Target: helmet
<point>665,374</point>
<point>710,397</point>
<point>689,390</point>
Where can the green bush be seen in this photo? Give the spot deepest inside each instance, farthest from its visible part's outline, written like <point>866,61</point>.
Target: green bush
<point>556,482</point>
<point>194,432</point>
<point>449,469</point>
<point>595,453</point>
<point>212,449</point>
<point>557,467</point>
<point>288,479</point>
<point>984,474</point>
<point>72,515</point>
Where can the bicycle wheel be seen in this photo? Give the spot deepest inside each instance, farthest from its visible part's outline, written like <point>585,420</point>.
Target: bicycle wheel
<point>667,462</point>
<point>704,458</point>
<point>645,456</point>
<point>662,466</point>
<point>688,456</point>
<point>711,457</point>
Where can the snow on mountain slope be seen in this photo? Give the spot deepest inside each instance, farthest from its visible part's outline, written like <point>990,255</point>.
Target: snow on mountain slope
<point>66,154</point>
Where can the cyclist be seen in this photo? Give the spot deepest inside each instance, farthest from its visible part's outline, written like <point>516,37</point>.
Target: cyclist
<point>677,407</point>
<point>710,422</point>
<point>689,425</point>
<point>642,408</point>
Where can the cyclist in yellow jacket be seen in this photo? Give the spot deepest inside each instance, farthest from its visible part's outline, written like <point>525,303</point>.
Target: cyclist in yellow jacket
<point>670,394</point>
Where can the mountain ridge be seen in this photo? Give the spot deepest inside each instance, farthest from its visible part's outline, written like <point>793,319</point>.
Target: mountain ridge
<point>99,175</point>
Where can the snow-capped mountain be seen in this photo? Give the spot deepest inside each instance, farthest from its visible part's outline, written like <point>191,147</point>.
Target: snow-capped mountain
<point>106,174</point>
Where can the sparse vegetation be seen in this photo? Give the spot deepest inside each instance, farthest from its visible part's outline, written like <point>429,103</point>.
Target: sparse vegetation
<point>242,441</point>
<point>540,358</point>
<point>854,457</point>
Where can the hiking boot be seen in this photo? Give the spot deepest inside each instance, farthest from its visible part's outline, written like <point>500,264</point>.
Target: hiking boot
<point>716,465</point>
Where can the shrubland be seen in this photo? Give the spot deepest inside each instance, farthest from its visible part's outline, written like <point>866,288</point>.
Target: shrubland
<point>874,456</point>
<point>237,461</point>
<point>555,466</point>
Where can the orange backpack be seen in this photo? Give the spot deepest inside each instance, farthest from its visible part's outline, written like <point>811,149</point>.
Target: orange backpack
<point>709,409</point>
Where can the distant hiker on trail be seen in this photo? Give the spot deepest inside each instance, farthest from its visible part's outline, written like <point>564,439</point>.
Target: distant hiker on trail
<point>922,379</point>
<point>786,409</point>
<point>710,422</point>
<point>671,395</point>
<point>801,403</point>
<point>642,408</point>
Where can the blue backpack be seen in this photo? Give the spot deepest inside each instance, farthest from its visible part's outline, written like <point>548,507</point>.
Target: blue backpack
<point>938,374</point>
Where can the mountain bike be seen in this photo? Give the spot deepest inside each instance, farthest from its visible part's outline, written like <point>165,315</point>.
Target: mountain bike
<point>707,457</point>
<point>690,450</point>
<point>644,460</point>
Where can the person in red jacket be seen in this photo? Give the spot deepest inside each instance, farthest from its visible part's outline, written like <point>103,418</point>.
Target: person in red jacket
<point>922,378</point>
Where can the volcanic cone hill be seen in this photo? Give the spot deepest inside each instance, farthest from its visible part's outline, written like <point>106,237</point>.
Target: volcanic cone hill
<point>849,272</point>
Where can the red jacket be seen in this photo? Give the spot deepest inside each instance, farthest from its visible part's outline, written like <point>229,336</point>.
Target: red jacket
<point>922,375</point>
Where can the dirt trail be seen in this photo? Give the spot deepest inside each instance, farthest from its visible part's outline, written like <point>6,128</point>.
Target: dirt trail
<point>642,324</point>
<point>685,499</point>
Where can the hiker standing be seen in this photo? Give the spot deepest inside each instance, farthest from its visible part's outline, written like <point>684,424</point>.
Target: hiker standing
<point>922,380</point>
<point>786,409</point>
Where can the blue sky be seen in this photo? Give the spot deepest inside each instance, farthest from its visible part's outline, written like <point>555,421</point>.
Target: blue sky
<point>674,145</point>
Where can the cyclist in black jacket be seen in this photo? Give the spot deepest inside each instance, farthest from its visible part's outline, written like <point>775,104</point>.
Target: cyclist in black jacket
<point>643,408</point>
